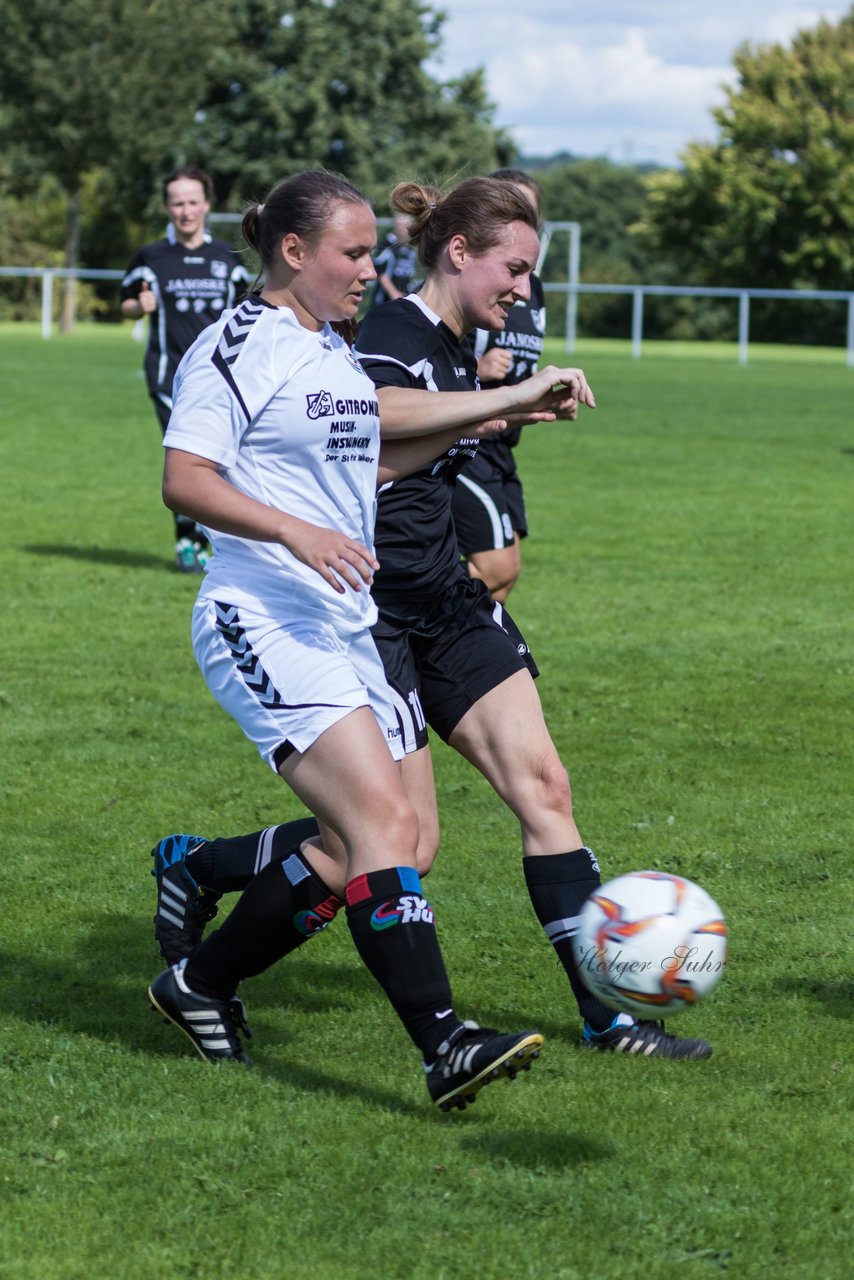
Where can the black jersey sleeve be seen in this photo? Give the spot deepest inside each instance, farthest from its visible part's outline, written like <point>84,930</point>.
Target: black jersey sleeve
<point>137,272</point>
<point>397,346</point>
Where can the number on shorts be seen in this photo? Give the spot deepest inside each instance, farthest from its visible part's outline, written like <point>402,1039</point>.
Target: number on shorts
<point>417,713</point>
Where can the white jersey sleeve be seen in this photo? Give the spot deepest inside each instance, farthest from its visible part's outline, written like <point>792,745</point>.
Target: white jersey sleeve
<point>224,382</point>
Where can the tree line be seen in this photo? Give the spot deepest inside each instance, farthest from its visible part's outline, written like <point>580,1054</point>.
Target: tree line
<point>98,101</point>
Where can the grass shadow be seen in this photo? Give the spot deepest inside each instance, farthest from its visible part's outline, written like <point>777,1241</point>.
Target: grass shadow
<point>566,1029</point>
<point>542,1152</point>
<point>97,990</point>
<point>836,996</point>
<point>102,555</point>
<point>310,1080</point>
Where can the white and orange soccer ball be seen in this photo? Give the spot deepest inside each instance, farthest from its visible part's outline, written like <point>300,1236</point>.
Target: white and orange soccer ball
<point>651,944</point>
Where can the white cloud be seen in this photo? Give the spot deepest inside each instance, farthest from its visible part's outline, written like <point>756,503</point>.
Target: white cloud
<point>625,78</point>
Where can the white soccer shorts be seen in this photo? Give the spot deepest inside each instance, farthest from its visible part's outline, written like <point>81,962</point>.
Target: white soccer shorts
<point>288,681</point>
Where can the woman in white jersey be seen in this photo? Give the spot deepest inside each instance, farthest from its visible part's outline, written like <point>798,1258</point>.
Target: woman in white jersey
<point>273,446</point>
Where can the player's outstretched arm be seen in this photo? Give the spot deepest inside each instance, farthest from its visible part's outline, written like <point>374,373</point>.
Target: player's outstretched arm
<point>409,411</point>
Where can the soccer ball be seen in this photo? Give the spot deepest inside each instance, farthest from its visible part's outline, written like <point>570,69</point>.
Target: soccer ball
<point>650,944</point>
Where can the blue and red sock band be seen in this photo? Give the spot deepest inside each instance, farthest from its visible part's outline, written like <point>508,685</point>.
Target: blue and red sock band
<point>382,884</point>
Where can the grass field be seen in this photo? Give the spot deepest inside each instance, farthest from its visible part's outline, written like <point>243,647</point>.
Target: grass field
<point>687,591</point>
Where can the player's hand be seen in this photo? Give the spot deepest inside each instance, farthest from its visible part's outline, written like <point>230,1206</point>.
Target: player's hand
<point>495,428</point>
<point>554,390</point>
<point>333,555</point>
<point>489,429</point>
<point>494,365</point>
<point>146,299</point>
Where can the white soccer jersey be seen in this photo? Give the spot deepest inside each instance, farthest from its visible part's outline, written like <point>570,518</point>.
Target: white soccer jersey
<point>293,421</point>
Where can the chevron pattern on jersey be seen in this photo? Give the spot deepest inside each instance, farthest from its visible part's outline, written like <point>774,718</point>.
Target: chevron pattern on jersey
<point>236,331</point>
<point>249,666</point>
<point>234,334</point>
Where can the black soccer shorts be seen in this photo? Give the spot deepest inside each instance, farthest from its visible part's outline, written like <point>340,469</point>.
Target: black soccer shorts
<point>442,653</point>
<point>487,513</point>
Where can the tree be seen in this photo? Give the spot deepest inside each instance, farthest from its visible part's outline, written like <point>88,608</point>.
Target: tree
<point>91,83</point>
<point>343,86</point>
<point>606,199</point>
<point>771,203</point>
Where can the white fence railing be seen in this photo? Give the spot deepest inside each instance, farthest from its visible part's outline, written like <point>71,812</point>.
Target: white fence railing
<point>638,292</point>
<point>572,290</point>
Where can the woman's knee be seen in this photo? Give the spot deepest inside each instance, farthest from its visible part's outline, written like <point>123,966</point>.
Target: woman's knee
<point>555,784</point>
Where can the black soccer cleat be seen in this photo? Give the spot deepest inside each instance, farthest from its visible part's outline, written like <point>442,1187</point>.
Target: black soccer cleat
<point>183,906</point>
<point>646,1039</point>
<point>475,1057</point>
<point>212,1025</point>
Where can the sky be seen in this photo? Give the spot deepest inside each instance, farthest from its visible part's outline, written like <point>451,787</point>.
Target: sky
<point>633,80</point>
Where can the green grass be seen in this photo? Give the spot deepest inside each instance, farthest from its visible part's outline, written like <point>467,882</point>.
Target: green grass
<point>687,591</point>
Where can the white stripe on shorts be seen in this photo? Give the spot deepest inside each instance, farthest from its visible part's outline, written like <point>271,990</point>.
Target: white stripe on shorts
<point>489,507</point>
<point>265,849</point>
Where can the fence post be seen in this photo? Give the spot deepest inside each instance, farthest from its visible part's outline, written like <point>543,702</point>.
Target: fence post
<point>849,358</point>
<point>743,325</point>
<point>47,303</point>
<point>573,266</point>
<point>637,322</point>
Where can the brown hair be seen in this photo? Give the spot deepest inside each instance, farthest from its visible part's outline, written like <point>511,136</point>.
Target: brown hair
<point>479,209</point>
<point>520,178</point>
<point>194,174</point>
<point>301,204</point>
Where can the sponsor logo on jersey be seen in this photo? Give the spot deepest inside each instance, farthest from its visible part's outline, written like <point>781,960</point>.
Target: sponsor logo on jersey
<point>409,908</point>
<point>193,285</point>
<point>319,404</point>
<point>358,406</point>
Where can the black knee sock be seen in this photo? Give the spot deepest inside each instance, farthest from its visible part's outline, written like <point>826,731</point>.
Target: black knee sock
<point>392,927</point>
<point>229,863</point>
<point>559,885</point>
<point>283,906</point>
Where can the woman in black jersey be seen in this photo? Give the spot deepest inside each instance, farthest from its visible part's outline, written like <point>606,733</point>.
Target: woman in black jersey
<point>488,502</point>
<point>182,283</point>
<point>451,654</point>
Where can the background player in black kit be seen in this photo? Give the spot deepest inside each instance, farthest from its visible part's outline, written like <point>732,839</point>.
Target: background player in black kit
<point>488,503</point>
<point>396,264</point>
<point>455,659</point>
<point>181,283</point>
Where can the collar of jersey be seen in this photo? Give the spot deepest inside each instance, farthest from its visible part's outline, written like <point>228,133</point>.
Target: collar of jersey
<point>422,306</point>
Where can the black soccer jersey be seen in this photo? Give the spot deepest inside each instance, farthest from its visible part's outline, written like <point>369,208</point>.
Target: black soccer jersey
<point>398,260</point>
<point>192,287</point>
<point>522,336</point>
<point>404,344</point>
